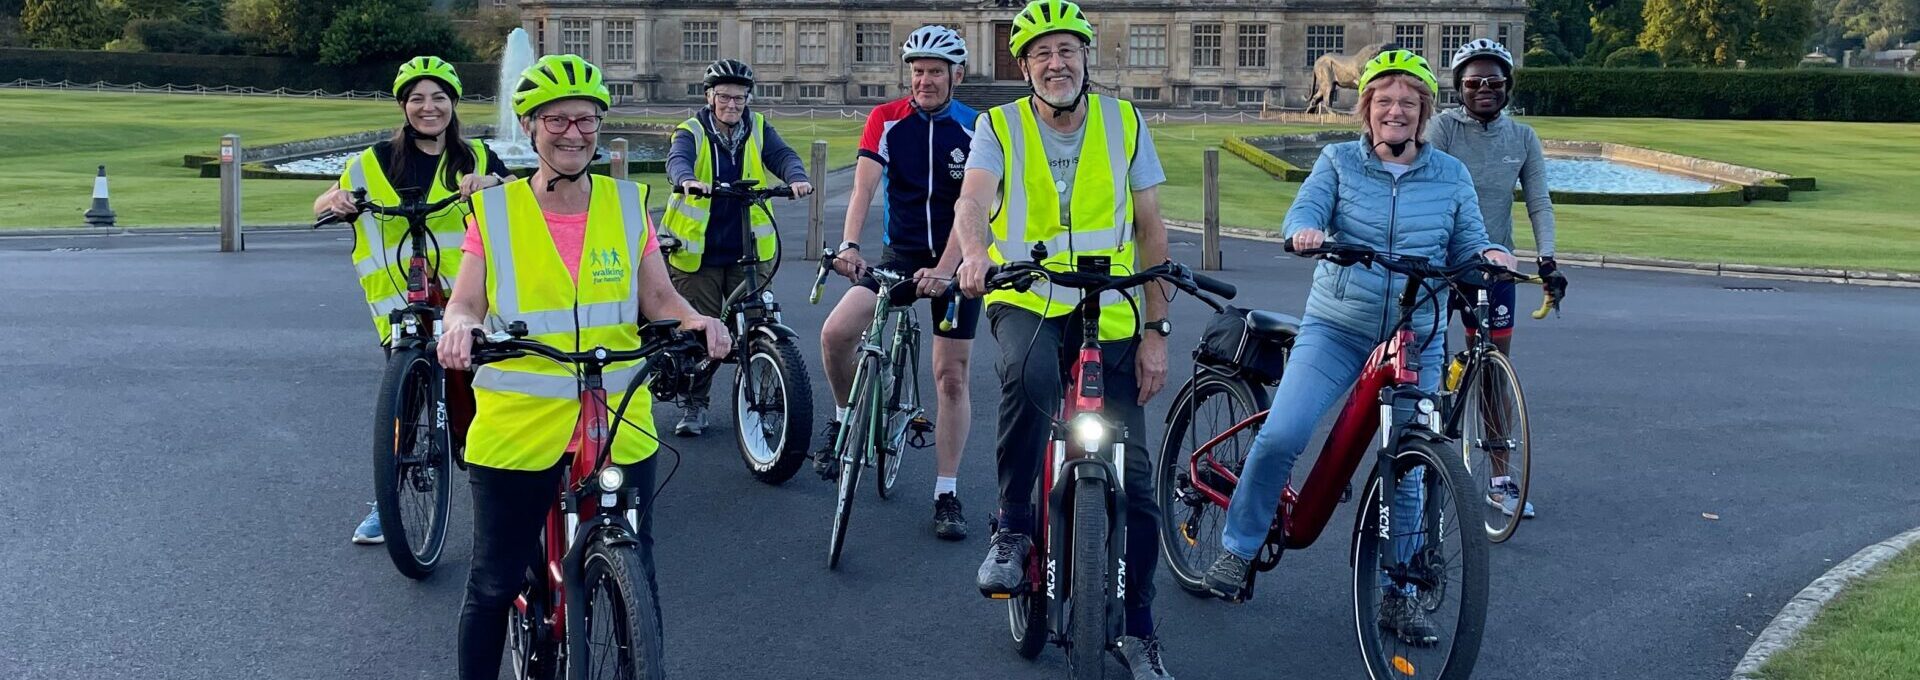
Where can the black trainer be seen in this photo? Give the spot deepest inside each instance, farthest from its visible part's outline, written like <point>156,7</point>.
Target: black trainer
<point>826,461</point>
<point>949,521</point>
<point>1405,618</point>
<point>1005,569</point>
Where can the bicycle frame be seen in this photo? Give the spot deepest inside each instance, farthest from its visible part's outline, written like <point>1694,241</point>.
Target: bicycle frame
<point>904,328</point>
<point>1391,377</point>
<point>1067,461</point>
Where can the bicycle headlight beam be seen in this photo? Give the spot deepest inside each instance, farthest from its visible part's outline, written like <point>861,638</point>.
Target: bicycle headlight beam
<point>1090,433</point>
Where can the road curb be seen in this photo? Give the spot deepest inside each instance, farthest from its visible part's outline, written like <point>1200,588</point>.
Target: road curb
<point>1801,610</point>
<point>1852,277</point>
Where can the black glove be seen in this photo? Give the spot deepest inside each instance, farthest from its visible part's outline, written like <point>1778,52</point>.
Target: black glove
<point>1556,282</point>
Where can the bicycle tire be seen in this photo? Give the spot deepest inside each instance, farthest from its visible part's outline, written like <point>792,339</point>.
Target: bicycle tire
<point>404,421</point>
<point>1496,375</point>
<point>1188,557</point>
<point>633,617</point>
<point>854,451</point>
<point>905,380</point>
<point>1386,656</point>
<point>1088,598</point>
<point>1027,620</point>
<point>779,443</point>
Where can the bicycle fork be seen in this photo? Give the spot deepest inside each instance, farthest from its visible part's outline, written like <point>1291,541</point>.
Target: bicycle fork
<point>1060,539</point>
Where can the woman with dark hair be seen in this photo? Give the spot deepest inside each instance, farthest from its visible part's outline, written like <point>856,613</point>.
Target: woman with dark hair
<point>428,155</point>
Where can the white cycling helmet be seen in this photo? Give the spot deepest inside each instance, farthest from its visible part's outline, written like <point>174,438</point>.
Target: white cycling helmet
<point>1483,47</point>
<point>935,41</point>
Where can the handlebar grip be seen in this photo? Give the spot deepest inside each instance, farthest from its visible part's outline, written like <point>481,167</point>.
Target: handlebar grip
<point>329,218</point>
<point>691,192</point>
<point>820,281</point>
<point>1215,286</point>
<point>1286,244</point>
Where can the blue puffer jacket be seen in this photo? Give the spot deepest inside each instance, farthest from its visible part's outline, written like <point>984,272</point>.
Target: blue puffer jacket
<point>1431,211</point>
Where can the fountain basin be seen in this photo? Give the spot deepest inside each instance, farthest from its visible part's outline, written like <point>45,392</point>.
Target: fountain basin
<point>1577,172</point>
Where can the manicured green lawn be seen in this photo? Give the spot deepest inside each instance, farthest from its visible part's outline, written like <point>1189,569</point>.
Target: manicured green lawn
<point>1870,632</point>
<point>1863,217</point>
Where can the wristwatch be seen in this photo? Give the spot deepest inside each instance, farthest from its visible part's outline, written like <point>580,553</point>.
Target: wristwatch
<point>847,245</point>
<point>1164,327</point>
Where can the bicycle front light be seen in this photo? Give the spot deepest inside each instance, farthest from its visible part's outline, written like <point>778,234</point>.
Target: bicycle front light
<point>611,479</point>
<point>1090,433</point>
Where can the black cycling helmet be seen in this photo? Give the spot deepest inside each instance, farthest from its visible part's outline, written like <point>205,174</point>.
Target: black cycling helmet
<point>729,71</point>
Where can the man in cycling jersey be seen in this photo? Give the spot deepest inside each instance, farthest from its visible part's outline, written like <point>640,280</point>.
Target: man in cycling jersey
<point>918,145</point>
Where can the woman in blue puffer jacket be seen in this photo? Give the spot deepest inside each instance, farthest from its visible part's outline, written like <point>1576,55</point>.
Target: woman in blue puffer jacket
<point>1390,192</point>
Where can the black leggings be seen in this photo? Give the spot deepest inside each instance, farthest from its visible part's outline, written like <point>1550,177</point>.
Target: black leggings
<point>509,513</point>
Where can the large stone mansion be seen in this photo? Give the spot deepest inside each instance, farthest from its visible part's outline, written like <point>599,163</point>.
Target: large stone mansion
<point>1159,53</point>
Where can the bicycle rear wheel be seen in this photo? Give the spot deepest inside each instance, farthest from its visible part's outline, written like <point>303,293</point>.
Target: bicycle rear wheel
<point>622,620</point>
<point>1190,523</point>
<point>854,451</point>
<point>902,406</point>
<point>1440,572</point>
<point>1496,444</point>
<point>412,462</point>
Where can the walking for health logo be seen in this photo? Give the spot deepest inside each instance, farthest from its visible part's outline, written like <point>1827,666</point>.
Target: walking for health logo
<point>607,265</point>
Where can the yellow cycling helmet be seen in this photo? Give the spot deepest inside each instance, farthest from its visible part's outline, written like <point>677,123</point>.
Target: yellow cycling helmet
<point>559,76</point>
<point>1042,17</point>
<point>426,67</point>
<point>1399,61</point>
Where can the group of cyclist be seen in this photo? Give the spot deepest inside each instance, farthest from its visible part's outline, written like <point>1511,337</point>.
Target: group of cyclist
<point>1065,168</point>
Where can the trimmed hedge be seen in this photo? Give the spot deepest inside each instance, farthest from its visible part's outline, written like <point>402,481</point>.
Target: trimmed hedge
<point>1745,94</point>
<point>1267,162</point>
<point>267,73</point>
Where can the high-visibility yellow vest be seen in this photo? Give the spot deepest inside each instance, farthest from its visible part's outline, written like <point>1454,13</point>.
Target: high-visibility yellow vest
<point>526,409</point>
<point>380,251</point>
<point>686,216</point>
<point>1101,210</point>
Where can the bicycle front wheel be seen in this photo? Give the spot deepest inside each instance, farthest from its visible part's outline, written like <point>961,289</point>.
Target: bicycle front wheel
<point>1090,589</point>
<point>855,447</point>
<point>772,408</point>
<point>412,462</point>
<point>1421,619</point>
<point>1190,523</point>
<point>1495,443</point>
<point>622,621</point>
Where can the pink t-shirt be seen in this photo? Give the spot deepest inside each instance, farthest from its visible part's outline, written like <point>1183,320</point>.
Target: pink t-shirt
<point>569,238</point>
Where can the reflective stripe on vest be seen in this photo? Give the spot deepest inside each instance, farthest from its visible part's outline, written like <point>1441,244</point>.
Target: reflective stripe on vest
<point>527,409</point>
<point>1101,218</point>
<point>378,241</point>
<point>687,216</point>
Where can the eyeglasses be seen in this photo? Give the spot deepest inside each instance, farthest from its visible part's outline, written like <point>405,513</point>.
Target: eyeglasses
<point>1487,83</point>
<point>1066,54</point>
<point>558,124</point>
<point>731,98</point>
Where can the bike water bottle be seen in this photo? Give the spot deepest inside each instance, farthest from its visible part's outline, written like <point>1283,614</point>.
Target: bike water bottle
<point>1454,368</point>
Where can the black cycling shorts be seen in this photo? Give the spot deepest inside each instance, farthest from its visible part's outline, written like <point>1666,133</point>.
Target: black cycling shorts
<point>1500,301</point>
<point>905,264</point>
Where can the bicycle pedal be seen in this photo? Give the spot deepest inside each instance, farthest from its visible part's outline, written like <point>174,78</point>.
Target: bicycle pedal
<point>921,431</point>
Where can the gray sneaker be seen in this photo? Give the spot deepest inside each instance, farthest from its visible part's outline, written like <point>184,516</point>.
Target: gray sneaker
<point>1143,658</point>
<point>1501,497</point>
<point>1227,577</point>
<point>693,420</point>
<point>1005,569</point>
<point>1405,618</point>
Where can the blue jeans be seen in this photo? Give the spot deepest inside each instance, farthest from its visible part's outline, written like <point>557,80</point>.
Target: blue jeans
<point>1326,361</point>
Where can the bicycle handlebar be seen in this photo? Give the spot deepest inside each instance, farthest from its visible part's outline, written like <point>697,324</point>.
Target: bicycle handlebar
<point>666,338</point>
<point>407,210</point>
<point>740,190</point>
<point>1020,276</point>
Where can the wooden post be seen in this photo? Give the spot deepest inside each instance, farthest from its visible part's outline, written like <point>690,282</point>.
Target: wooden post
<point>231,237</point>
<point>817,212</point>
<point>617,161</point>
<point>1210,230</point>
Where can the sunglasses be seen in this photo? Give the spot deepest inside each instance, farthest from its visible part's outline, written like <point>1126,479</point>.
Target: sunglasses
<point>1489,83</point>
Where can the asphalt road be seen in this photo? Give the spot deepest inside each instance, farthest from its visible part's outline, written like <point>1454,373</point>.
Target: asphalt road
<point>187,452</point>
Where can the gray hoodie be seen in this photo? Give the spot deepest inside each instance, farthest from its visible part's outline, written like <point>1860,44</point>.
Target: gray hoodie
<point>1498,155</point>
